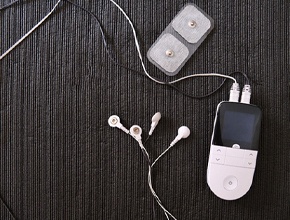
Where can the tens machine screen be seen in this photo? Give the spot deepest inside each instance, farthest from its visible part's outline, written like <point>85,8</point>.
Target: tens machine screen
<point>239,124</point>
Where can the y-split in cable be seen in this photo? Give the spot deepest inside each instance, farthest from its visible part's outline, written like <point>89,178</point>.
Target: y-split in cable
<point>136,132</point>
<point>170,83</point>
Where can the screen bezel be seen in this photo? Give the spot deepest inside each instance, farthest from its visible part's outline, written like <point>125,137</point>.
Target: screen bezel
<point>224,107</point>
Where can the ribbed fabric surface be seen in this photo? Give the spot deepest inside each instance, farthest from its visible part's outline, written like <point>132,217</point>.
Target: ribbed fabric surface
<point>59,159</point>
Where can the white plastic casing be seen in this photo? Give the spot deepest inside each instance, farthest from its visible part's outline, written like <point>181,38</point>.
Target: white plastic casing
<point>246,94</point>
<point>230,170</point>
<point>235,93</point>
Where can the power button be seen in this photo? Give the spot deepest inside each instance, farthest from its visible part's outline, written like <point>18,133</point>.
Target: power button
<point>230,183</point>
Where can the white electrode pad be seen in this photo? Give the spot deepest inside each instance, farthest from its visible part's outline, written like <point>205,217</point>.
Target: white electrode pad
<point>180,39</point>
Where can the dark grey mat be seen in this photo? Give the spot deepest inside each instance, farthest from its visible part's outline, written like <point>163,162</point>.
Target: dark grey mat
<point>61,160</point>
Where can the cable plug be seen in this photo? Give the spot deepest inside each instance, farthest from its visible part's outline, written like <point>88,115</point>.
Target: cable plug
<point>246,94</point>
<point>235,93</point>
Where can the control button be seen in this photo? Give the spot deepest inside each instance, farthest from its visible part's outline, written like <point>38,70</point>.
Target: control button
<point>218,150</point>
<point>234,161</point>
<point>236,146</point>
<point>232,152</point>
<point>219,159</point>
<point>250,163</point>
<point>251,154</point>
<point>230,183</point>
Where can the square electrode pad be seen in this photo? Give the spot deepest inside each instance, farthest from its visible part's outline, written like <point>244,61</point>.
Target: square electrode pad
<point>180,39</point>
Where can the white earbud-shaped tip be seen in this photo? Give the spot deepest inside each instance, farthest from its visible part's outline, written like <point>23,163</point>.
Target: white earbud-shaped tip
<point>136,132</point>
<point>156,117</point>
<point>183,132</point>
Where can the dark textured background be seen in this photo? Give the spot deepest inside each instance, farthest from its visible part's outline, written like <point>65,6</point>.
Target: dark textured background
<point>61,160</point>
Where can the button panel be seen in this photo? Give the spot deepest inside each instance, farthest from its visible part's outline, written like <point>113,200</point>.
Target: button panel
<point>233,152</point>
<point>233,156</point>
<point>219,159</point>
<point>234,161</point>
<point>218,150</point>
<point>251,154</point>
<point>230,183</point>
<point>250,163</point>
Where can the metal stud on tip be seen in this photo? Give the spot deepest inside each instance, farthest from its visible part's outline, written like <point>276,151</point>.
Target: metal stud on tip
<point>114,121</point>
<point>136,130</point>
<point>169,53</point>
<point>192,24</point>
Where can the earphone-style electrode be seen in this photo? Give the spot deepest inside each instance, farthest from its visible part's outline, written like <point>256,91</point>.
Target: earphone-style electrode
<point>136,132</point>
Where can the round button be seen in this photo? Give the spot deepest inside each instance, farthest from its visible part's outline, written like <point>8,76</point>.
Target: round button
<point>230,183</point>
<point>236,146</point>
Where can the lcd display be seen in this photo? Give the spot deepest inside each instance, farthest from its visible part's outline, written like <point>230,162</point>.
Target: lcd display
<point>237,123</point>
<point>238,127</point>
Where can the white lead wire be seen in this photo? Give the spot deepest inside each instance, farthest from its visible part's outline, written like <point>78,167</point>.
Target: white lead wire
<point>204,74</point>
<point>166,212</point>
<point>161,155</point>
<point>143,65</point>
<point>136,43</point>
<point>29,32</point>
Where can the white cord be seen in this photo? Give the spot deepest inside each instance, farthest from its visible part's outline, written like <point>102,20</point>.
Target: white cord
<point>166,212</point>
<point>136,43</point>
<point>143,148</point>
<point>204,74</point>
<point>29,32</point>
<point>143,65</point>
<point>150,182</point>
<point>164,152</point>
